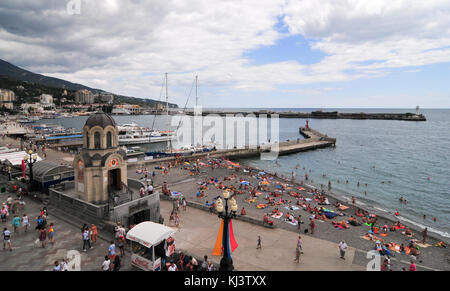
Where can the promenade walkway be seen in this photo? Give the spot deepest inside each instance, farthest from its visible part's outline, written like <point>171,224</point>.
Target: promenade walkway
<point>278,245</point>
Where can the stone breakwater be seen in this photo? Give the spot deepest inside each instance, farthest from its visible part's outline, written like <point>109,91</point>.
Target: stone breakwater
<point>323,115</point>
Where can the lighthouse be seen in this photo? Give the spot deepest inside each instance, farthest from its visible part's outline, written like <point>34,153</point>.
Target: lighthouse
<point>417,110</point>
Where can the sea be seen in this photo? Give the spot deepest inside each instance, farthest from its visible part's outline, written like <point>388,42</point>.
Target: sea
<point>394,158</point>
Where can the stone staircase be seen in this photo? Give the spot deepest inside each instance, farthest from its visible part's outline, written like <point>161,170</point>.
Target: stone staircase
<point>124,195</point>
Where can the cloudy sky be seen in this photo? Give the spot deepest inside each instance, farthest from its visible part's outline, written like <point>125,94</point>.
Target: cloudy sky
<point>275,53</point>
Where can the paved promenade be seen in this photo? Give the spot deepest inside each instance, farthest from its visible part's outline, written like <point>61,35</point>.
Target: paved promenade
<point>27,256</point>
<point>198,233</point>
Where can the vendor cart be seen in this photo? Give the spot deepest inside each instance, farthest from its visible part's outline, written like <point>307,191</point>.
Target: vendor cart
<point>150,242</point>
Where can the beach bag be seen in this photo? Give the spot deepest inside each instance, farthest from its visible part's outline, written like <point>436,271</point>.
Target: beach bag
<point>36,242</point>
<point>306,231</point>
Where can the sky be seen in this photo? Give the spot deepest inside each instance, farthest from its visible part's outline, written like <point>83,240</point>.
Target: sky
<point>253,53</point>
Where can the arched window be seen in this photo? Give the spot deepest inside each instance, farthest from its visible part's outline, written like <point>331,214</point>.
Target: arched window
<point>109,139</point>
<point>97,140</point>
<point>87,141</point>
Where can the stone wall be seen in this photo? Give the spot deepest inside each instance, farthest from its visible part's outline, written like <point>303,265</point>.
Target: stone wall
<point>77,207</point>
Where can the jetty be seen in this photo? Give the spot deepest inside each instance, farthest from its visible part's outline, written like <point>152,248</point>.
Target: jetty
<point>320,114</point>
<point>313,140</point>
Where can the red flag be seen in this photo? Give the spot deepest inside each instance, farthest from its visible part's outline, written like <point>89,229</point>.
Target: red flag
<point>233,242</point>
<point>23,169</point>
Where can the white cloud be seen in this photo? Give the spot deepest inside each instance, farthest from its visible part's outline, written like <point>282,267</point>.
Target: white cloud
<point>126,46</point>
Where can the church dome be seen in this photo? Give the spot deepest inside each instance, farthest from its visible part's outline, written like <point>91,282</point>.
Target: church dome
<point>101,119</point>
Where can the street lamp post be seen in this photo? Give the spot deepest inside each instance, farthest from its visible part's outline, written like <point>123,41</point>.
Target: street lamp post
<point>226,263</point>
<point>30,159</point>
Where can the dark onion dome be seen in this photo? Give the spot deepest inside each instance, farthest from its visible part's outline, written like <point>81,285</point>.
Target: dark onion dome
<point>101,119</point>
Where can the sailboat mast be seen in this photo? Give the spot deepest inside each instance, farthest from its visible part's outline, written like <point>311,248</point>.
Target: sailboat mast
<point>167,98</point>
<point>196,96</point>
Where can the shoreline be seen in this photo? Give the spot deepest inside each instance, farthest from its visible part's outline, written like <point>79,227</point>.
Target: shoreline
<point>384,214</point>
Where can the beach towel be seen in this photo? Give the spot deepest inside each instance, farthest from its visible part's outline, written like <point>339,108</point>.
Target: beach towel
<point>343,207</point>
<point>292,208</point>
<point>366,237</point>
<point>407,250</point>
<point>423,245</point>
<point>292,223</point>
<point>277,216</point>
<point>330,215</point>
<point>383,234</point>
<point>394,247</point>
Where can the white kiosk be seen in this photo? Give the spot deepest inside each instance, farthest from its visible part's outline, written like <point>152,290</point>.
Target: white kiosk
<point>147,238</point>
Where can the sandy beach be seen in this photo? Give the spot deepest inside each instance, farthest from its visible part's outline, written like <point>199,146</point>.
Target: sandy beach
<point>180,180</point>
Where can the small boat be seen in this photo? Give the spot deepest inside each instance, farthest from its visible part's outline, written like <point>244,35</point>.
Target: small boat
<point>131,133</point>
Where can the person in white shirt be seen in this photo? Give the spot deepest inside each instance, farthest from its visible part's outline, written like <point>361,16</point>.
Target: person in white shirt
<point>106,264</point>
<point>57,266</point>
<point>150,189</point>
<point>342,249</point>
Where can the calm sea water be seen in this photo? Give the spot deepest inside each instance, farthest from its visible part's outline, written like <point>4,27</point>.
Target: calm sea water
<point>399,153</point>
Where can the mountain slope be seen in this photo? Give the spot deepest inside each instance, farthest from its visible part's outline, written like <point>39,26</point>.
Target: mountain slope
<point>14,72</point>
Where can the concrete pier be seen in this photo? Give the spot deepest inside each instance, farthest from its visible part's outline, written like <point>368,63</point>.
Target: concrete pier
<point>314,140</point>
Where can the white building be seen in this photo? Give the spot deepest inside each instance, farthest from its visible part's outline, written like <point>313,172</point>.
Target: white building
<point>84,97</point>
<point>46,100</point>
<point>7,98</point>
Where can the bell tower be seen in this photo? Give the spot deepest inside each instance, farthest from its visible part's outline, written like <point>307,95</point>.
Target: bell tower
<point>101,166</point>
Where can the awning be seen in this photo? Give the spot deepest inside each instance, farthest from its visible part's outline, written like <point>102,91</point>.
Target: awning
<point>15,158</point>
<point>149,233</point>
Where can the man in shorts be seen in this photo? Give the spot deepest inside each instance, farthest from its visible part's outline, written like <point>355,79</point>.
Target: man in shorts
<point>7,238</point>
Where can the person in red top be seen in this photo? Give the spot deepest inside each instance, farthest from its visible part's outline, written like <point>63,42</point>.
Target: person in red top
<point>313,225</point>
<point>412,267</point>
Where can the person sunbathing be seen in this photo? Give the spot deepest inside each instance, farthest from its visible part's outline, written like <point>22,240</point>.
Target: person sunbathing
<point>321,217</point>
<point>266,219</point>
<point>353,221</point>
<point>414,251</point>
<point>408,231</point>
<point>441,244</point>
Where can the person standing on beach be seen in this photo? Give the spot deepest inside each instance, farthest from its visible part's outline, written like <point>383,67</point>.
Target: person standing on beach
<point>258,246</point>
<point>312,224</point>
<point>353,201</point>
<point>300,244</point>
<point>297,255</point>
<point>299,223</point>
<point>342,249</point>
<point>424,234</point>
